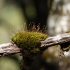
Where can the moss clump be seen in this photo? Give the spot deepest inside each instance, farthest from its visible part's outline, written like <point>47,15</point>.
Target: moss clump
<point>29,43</point>
<point>28,40</point>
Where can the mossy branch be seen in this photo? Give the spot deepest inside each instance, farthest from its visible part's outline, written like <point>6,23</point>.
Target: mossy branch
<point>10,48</point>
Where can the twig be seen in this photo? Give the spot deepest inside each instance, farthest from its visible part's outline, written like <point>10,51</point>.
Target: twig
<point>55,40</point>
<point>10,48</point>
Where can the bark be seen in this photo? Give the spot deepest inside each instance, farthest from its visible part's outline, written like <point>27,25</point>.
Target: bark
<point>56,40</point>
<point>8,48</point>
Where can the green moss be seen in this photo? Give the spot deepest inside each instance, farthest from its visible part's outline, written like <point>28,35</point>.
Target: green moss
<point>29,43</point>
<point>28,40</point>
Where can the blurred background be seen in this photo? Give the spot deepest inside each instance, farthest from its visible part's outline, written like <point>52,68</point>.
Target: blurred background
<point>15,15</point>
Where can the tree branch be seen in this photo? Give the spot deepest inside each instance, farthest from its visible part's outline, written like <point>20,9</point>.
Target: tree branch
<point>10,48</point>
<point>56,40</point>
